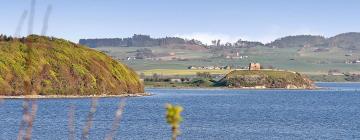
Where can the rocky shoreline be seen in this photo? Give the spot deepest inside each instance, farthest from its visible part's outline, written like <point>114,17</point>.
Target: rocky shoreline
<point>238,88</point>
<point>72,96</point>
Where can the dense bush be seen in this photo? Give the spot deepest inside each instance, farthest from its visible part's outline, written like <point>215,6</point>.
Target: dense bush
<point>44,65</point>
<point>267,78</point>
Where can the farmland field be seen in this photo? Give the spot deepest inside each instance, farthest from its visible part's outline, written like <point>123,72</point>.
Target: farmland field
<point>168,72</point>
<point>304,61</point>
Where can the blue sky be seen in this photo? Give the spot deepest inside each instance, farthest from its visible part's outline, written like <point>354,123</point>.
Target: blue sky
<point>229,20</point>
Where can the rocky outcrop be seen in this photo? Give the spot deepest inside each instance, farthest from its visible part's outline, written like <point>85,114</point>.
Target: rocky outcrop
<point>266,79</point>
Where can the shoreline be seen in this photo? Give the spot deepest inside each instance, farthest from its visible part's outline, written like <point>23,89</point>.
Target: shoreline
<point>235,88</point>
<point>245,88</point>
<point>347,82</point>
<point>72,96</point>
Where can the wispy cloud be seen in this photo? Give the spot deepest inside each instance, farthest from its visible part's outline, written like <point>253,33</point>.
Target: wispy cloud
<point>273,32</point>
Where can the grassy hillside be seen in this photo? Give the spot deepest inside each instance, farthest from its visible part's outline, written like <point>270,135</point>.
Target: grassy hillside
<point>265,78</point>
<point>50,66</point>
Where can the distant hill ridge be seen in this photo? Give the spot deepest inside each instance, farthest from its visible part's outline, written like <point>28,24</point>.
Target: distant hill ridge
<point>349,41</point>
<point>139,41</point>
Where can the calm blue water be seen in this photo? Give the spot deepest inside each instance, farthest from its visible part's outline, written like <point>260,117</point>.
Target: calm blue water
<point>329,113</point>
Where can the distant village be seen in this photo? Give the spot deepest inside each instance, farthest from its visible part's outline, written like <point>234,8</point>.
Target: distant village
<point>352,61</point>
<point>252,66</point>
<point>210,68</point>
<point>179,79</point>
<point>234,56</point>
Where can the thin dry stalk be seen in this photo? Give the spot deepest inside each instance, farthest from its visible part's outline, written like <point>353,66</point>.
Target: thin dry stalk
<point>1,100</point>
<point>21,23</point>
<point>71,124</point>
<point>174,133</point>
<point>31,18</point>
<point>24,118</point>
<point>27,117</point>
<point>116,123</point>
<point>89,120</point>
<point>46,20</point>
<point>30,122</point>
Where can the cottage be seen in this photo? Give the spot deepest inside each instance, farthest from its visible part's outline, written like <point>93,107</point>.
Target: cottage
<point>192,68</point>
<point>176,80</point>
<point>254,66</point>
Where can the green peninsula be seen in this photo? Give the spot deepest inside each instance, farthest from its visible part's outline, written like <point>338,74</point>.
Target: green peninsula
<point>266,79</point>
<point>39,65</point>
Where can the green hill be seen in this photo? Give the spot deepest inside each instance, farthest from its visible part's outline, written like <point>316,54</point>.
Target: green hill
<point>297,41</point>
<point>266,79</point>
<point>39,65</point>
<point>348,41</point>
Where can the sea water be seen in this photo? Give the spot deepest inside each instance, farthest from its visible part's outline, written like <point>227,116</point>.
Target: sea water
<point>332,112</point>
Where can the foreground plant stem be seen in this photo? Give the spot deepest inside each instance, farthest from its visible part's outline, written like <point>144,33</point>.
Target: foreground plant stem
<point>173,118</point>
<point>89,120</point>
<point>116,123</point>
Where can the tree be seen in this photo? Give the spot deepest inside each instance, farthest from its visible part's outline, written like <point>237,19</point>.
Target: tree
<point>213,42</point>
<point>155,77</point>
<point>218,43</point>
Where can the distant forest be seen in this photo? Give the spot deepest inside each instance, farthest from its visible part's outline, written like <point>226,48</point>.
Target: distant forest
<point>138,41</point>
<point>347,41</point>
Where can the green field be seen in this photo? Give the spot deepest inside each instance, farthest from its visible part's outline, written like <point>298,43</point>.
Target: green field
<point>170,72</point>
<point>305,61</point>
<point>122,52</point>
